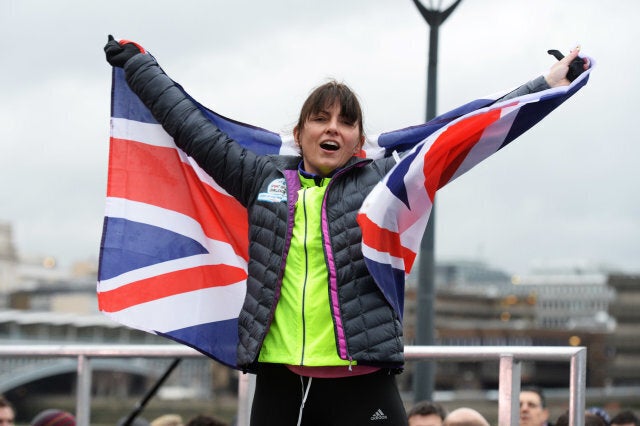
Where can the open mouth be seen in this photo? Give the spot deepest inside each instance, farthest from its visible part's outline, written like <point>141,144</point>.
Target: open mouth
<point>330,146</point>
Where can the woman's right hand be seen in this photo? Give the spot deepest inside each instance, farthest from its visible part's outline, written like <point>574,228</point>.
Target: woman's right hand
<point>119,52</point>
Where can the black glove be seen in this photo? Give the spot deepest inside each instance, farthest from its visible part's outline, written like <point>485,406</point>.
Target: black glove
<point>118,54</point>
<point>576,67</point>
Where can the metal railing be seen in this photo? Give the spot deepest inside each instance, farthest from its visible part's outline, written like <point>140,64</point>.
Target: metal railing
<point>510,358</point>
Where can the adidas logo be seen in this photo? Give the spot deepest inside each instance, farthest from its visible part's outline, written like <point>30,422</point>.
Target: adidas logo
<point>379,415</point>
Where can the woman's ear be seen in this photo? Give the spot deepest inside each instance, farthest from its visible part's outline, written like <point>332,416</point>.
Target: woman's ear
<point>296,134</point>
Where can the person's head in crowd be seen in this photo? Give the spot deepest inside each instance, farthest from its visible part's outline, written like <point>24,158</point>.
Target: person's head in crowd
<point>168,420</point>
<point>202,420</point>
<point>590,419</point>
<point>7,413</point>
<point>465,417</point>
<point>137,421</point>
<point>625,418</point>
<point>533,407</point>
<point>426,413</point>
<point>53,417</point>
<point>600,412</point>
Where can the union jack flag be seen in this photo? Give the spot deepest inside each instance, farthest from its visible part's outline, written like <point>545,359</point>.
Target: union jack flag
<point>173,257</point>
<point>174,249</point>
<point>460,140</point>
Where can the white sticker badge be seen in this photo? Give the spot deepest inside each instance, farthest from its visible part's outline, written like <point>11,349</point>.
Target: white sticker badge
<point>276,192</point>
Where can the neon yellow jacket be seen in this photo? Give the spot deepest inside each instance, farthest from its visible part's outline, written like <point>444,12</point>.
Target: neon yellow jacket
<point>302,332</point>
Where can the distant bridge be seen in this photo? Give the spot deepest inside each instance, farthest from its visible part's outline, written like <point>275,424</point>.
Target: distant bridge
<point>18,327</point>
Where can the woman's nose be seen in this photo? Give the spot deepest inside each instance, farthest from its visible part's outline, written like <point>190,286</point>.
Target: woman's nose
<point>332,125</point>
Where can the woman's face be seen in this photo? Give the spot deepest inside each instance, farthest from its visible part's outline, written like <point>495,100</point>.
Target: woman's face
<point>327,141</point>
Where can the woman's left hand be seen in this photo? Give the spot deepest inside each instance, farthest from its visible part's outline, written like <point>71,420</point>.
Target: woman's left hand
<point>558,73</point>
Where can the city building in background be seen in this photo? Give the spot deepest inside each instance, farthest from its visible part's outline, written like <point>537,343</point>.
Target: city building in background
<point>554,304</point>
<point>8,258</point>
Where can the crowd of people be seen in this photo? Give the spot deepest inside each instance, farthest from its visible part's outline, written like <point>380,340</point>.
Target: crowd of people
<point>57,417</point>
<point>533,412</point>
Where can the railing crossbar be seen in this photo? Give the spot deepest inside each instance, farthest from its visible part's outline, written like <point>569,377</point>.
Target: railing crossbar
<point>509,357</point>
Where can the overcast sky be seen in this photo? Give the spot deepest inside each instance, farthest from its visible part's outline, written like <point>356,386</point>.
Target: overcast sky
<point>568,189</point>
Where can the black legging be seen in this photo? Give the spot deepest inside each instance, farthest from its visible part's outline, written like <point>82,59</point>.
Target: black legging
<point>370,399</point>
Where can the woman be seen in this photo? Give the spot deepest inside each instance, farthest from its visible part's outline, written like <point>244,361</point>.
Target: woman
<point>315,328</point>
